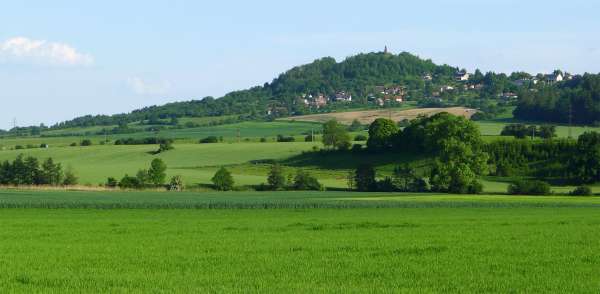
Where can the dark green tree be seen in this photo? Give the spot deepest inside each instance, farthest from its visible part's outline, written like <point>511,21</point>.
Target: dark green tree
<point>381,134</point>
<point>276,178</point>
<point>222,180</point>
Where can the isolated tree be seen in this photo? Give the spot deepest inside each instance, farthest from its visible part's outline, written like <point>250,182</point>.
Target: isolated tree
<point>335,135</point>
<point>222,180</point>
<point>143,178</point>
<point>157,172</point>
<point>276,178</point>
<point>381,134</point>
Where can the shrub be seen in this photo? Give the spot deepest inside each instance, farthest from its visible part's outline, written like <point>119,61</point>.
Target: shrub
<point>529,188</point>
<point>44,145</point>
<point>308,138</point>
<point>176,184</point>
<point>263,140</point>
<point>209,140</point>
<point>111,182</point>
<point>303,181</point>
<point>360,138</point>
<point>281,138</point>
<point>222,180</point>
<point>73,144</point>
<point>128,182</point>
<point>166,146</point>
<point>582,191</point>
<point>19,147</point>
<point>70,179</point>
<point>86,142</point>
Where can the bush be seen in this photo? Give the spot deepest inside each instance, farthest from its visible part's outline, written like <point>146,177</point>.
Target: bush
<point>111,182</point>
<point>281,138</point>
<point>308,138</point>
<point>222,180</point>
<point>166,146</point>
<point>209,140</point>
<point>176,184</point>
<point>263,140</point>
<point>86,142</point>
<point>360,138</point>
<point>73,144</point>
<point>128,182</point>
<point>529,188</point>
<point>303,181</point>
<point>19,147</point>
<point>582,191</point>
<point>69,178</point>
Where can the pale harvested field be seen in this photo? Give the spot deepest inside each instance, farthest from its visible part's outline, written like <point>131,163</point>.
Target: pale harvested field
<point>368,116</point>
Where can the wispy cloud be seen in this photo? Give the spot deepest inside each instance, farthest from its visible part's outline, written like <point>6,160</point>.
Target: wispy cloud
<point>143,87</point>
<point>25,50</point>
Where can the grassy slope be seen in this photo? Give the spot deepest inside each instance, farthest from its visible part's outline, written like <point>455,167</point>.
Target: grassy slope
<point>550,248</point>
<point>250,130</point>
<point>195,162</point>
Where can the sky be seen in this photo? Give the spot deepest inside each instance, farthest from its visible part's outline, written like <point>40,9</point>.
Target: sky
<point>62,59</point>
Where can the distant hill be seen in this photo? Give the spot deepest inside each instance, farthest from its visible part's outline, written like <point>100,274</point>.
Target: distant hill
<point>356,76</point>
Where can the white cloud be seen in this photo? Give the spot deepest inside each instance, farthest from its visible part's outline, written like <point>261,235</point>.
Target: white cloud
<point>142,87</point>
<point>21,49</point>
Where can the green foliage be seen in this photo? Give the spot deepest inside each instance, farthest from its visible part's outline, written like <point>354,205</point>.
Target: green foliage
<point>570,101</point>
<point>284,139</point>
<point>276,178</point>
<point>176,184</point>
<point>128,182</point>
<point>582,191</point>
<point>532,187</point>
<point>584,164</point>
<point>209,140</point>
<point>111,182</point>
<point>157,172</point>
<point>335,135</point>
<point>70,179</point>
<point>364,178</point>
<point>28,171</point>
<point>86,142</point>
<point>360,138</point>
<point>381,134</point>
<point>303,181</point>
<point>222,180</point>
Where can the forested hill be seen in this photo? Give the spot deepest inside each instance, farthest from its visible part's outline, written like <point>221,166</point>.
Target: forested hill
<point>355,76</point>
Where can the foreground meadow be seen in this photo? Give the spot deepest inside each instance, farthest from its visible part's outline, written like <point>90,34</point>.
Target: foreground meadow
<point>313,242</point>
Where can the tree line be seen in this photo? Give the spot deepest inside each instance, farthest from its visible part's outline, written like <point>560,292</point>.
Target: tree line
<point>30,171</point>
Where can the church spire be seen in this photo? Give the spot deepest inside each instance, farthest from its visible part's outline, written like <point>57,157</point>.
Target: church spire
<point>385,51</point>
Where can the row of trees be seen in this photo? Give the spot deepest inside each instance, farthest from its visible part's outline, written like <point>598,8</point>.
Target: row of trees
<point>29,171</point>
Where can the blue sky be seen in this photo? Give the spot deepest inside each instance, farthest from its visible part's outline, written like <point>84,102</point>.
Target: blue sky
<point>62,59</point>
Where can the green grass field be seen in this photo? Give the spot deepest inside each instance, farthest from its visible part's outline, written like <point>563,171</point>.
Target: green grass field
<point>334,242</point>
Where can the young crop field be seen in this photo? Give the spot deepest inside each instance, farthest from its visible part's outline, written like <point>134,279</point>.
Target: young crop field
<point>297,242</point>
